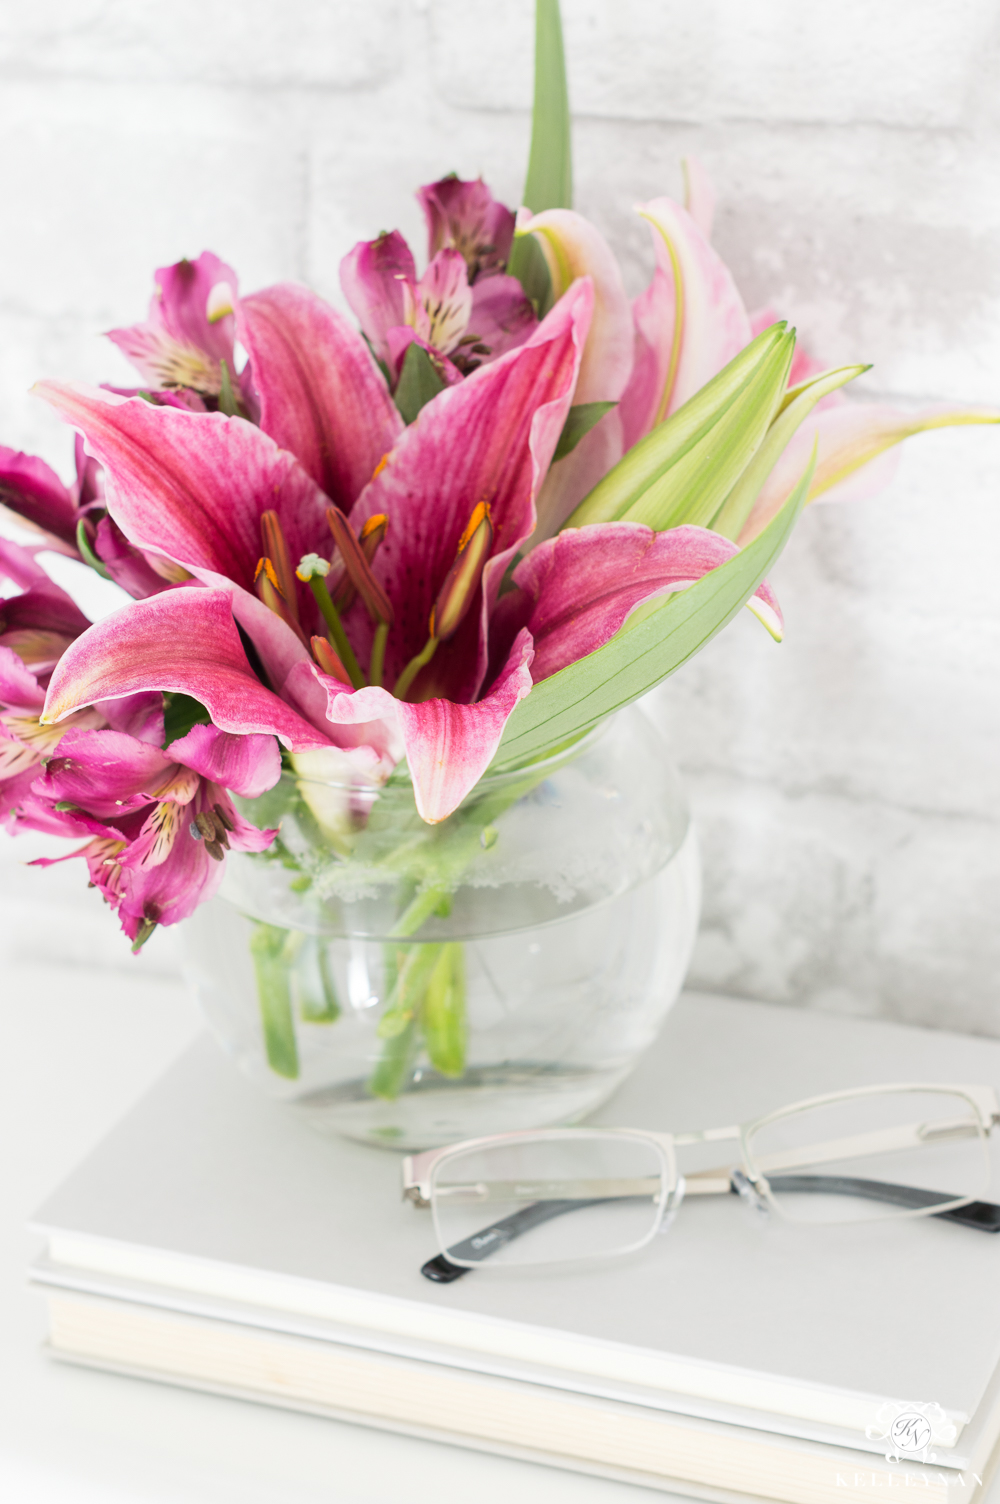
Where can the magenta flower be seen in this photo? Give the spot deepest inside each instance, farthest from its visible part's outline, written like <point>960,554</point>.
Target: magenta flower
<point>464,311</point>
<point>158,822</point>
<point>190,328</point>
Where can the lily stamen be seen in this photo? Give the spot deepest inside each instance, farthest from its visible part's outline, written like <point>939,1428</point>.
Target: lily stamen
<point>266,584</point>
<point>312,571</point>
<point>328,660</point>
<point>276,549</point>
<point>358,567</point>
<point>456,594</point>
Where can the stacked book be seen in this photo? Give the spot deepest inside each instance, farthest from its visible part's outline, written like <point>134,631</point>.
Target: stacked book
<point>214,1240</point>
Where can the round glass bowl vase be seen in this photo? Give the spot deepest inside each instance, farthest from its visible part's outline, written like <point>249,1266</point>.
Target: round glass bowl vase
<point>411,984</point>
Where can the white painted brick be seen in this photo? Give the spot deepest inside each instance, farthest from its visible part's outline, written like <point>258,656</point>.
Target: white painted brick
<point>902,62</point>
<point>307,42</point>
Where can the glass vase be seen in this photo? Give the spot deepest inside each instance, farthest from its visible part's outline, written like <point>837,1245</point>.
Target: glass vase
<point>411,984</point>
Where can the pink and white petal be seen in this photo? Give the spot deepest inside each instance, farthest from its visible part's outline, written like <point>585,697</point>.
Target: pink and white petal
<point>249,765</point>
<point>575,476</point>
<point>193,486</point>
<point>18,685</point>
<point>586,582</point>
<point>169,890</point>
<point>321,395</point>
<point>713,323</point>
<point>164,361</point>
<point>184,640</point>
<point>373,747</point>
<point>33,491</point>
<point>489,439</point>
<point>573,248</point>
<point>855,454</point>
<point>501,316</point>
<point>438,307</point>
<point>373,277</point>
<point>124,563</point>
<point>699,194</point>
<point>655,356</point>
<point>448,746</point>
<point>19,565</point>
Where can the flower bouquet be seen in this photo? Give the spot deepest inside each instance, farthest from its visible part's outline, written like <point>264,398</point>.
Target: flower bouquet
<point>389,581</point>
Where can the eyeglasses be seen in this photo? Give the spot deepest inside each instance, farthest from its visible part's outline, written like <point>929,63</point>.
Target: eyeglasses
<point>863,1155</point>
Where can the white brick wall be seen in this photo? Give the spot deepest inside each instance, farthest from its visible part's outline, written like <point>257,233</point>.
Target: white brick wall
<point>846,783</point>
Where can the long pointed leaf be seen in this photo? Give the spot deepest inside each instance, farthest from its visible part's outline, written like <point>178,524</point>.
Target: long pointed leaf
<point>578,697</point>
<point>549,184</point>
<point>739,503</point>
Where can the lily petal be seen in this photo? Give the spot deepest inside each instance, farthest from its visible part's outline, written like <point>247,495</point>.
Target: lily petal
<point>502,317</point>
<point>584,584</point>
<point>321,395</point>
<point>574,248</point>
<point>689,323</point>
<point>856,458</point>
<point>34,493</point>
<point>183,640</point>
<point>19,688</point>
<point>448,746</point>
<point>489,439</point>
<point>193,486</point>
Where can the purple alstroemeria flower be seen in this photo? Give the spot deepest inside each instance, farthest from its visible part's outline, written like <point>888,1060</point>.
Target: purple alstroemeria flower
<point>190,329</point>
<point>464,310</point>
<point>37,625</point>
<point>157,823</point>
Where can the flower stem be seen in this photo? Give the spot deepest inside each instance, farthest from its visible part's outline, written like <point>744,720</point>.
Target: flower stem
<point>442,1016</point>
<point>414,666</point>
<point>337,634</point>
<point>377,661</point>
<point>267,946</point>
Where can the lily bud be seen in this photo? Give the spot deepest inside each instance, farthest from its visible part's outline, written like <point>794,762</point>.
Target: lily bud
<point>455,596</point>
<point>328,660</point>
<point>276,549</point>
<point>357,567</point>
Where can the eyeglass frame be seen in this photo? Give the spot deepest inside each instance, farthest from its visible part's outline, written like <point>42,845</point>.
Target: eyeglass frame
<point>747,1180</point>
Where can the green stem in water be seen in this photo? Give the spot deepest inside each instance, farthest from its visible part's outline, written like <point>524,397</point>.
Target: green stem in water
<point>338,636</point>
<point>442,1016</point>
<point>326,1008</point>
<point>267,947</point>
<point>413,967</point>
<point>414,666</point>
<point>377,661</point>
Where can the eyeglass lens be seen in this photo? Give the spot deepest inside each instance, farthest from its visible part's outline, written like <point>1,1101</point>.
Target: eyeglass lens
<point>872,1156</point>
<point>508,1201</point>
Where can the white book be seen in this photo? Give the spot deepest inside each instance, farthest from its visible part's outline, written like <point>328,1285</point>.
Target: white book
<point>215,1240</point>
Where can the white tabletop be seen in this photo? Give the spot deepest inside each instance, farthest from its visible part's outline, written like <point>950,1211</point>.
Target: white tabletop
<point>85,1031</point>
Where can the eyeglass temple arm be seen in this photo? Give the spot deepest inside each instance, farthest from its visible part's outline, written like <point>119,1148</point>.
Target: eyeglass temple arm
<point>983,1216</point>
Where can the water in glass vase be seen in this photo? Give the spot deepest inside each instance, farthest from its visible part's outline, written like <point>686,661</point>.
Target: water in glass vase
<point>409,984</point>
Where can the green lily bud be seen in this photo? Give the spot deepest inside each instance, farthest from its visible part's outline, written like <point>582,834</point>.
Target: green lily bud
<point>684,469</point>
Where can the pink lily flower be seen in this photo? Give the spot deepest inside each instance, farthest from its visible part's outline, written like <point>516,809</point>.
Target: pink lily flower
<point>158,823</point>
<point>454,499</point>
<point>465,216</point>
<point>190,329</point>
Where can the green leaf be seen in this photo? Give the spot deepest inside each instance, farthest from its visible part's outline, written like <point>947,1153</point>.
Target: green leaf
<point>579,421</point>
<point>804,397</point>
<point>549,184</point>
<point>642,479</point>
<point>180,713</point>
<point>583,693</point>
<point>418,382</point>
<point>528,264</point>
<point>227,397</point>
